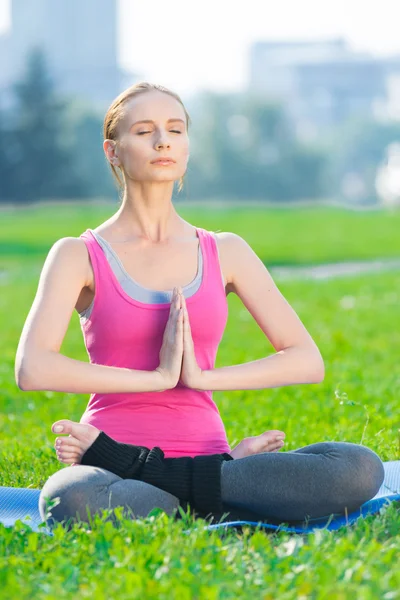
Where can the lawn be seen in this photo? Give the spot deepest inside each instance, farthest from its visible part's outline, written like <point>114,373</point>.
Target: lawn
<point>354,322</point>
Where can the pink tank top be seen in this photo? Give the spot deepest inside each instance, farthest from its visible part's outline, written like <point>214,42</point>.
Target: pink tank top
<point>123,332</point>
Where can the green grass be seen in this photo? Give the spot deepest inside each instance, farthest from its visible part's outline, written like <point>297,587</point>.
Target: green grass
<point>279,235</point>
<point>357,402</point>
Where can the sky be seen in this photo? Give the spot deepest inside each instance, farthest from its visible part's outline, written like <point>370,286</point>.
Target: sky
<point>192,46</point>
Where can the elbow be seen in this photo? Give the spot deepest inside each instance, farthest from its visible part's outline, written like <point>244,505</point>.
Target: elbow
<point>22,383</point>
<point>318,370</point>
<point>320,375</point>
<point>19,378</point>
<point>312,364</point>
<point>22,378</point>
<point>23,387</point>
<point>31,375</point>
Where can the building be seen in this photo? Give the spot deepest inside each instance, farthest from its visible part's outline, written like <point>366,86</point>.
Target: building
<point>79,38</point>
<point>323,83</point>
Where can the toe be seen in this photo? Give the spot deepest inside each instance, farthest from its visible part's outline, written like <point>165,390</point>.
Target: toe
<point>66,425</point>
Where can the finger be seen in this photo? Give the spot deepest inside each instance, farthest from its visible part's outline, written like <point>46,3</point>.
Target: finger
<point>171,308</point>
<point>183,313</point>
<point>185,310</point>
<point>173,302</point>
<point>181,300</point>
<point>171,314</point>
<point>187,329</point>
<point>177,305</point>
<point>187,337</point>
<point>182,325</point>
<point>180,320</point>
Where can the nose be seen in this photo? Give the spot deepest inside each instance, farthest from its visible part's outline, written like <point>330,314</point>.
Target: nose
<point>162,141</point>
<point>162,145</point>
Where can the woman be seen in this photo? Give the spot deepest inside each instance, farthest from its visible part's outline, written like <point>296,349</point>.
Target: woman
<point>135,446</point>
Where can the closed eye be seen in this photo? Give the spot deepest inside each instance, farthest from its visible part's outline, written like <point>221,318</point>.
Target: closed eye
<point>172,131</point>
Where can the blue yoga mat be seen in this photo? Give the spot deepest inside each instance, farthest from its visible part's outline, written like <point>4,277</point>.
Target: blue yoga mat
<point>22,504</point>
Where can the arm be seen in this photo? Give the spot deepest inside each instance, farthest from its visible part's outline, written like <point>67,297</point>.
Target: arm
<point>195,480</point>
<point>39,365</point>
<point>297,358</point>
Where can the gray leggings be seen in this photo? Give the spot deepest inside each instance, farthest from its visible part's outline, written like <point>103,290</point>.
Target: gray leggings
<point>305,484</point>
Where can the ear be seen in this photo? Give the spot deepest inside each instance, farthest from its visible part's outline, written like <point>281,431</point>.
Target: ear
<point>111,150</point>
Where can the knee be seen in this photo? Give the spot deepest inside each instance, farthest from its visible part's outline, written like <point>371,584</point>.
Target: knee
<point>61,497</point>
<point>363,475</point>
<point>372,472</point>
<point>65,495</point>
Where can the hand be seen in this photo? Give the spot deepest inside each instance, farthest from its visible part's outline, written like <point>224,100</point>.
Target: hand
<point>191,374</point>
<point>172,346</point>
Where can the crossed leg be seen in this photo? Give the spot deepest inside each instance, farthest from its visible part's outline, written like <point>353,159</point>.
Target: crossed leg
<point>81,487</point>
<point>308,483</point>
<point>311,482</point>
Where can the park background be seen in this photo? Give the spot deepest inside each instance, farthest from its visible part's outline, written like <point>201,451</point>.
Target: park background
<point>302,162</point>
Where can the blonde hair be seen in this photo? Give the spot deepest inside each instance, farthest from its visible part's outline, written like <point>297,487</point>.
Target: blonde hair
<point>115,113</point>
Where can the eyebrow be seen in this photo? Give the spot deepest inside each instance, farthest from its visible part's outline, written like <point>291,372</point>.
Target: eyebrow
<point>150,121</point>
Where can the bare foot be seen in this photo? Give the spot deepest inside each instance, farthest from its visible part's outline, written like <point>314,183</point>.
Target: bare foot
<point>269,441</point>
<point>81,436</point>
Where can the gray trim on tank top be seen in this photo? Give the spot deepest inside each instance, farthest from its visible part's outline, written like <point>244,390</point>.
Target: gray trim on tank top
<point>136,291</point>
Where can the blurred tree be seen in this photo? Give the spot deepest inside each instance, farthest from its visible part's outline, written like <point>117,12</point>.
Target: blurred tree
<point>245,149</point>
<point>6,146</point>
<point>91,165</point>
<point>41,162</point>
<point>242,147</point>
<point>356,152</point>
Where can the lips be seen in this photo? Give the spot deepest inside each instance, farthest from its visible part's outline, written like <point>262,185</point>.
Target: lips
<point>163,160</point>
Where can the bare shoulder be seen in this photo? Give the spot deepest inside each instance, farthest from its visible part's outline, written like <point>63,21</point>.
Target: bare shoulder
<point>237,256</point>
<point>227,237</point>
<point>72,249</point>
<point>228,244</point>
<point>68,245</point>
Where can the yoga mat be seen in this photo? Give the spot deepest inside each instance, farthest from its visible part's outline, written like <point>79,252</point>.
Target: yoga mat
<point>22,504</point>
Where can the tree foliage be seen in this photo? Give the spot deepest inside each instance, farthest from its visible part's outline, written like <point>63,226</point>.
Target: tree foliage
<point>243,147</point>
